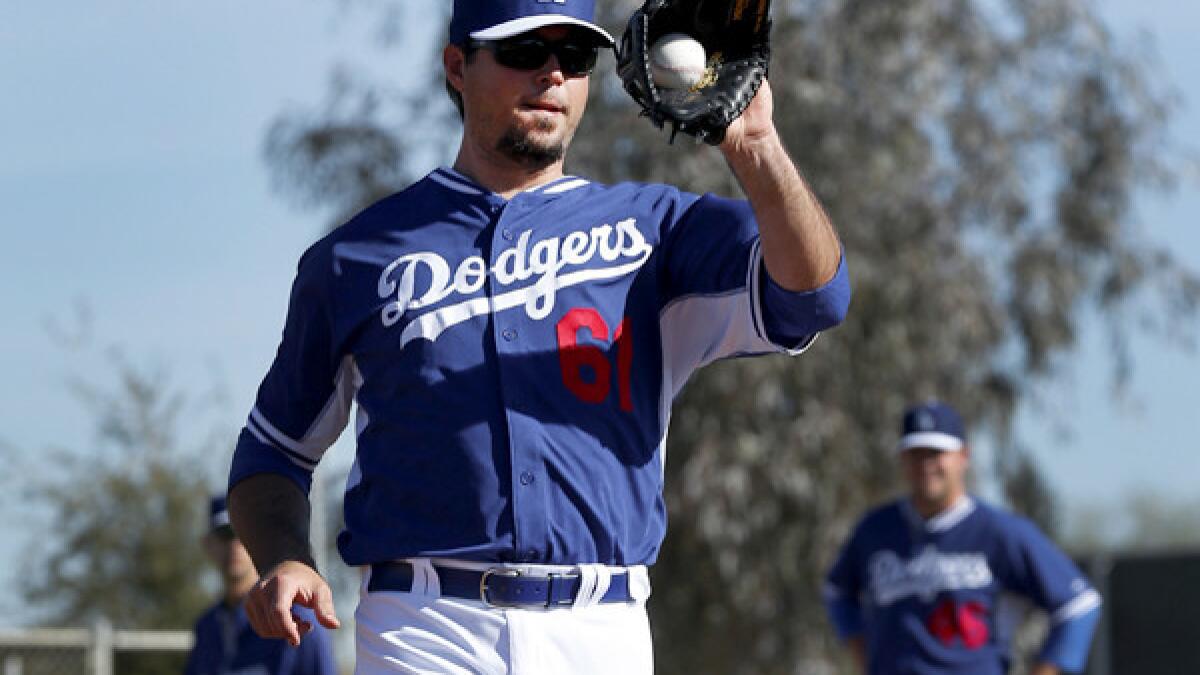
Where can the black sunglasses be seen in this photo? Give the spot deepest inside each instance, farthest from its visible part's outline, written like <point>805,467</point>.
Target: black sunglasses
<point>575,57</point>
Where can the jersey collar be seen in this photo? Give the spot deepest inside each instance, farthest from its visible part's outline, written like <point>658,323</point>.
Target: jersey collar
<point>453,180</point>
<point>458,182</point>
<point>946,519</point>
<point>560,185</point>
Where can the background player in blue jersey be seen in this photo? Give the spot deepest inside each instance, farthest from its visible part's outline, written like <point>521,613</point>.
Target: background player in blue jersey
<point>225,643</point>
<point>513,337</point>
<point>926,584</point>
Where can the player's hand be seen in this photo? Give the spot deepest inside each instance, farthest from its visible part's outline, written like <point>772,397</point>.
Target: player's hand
<point>754,125</point>
<point>269,603</point>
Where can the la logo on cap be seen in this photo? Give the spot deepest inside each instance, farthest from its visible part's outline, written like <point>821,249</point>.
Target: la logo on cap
<point>925,421</point>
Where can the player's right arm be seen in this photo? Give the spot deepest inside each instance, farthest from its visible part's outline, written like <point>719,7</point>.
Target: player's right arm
<point>271,516</point>
<point>301,407</point>
<point>845,614</point>
<point>843,587</point>
<point>858,649</point>
<point>192,667</point>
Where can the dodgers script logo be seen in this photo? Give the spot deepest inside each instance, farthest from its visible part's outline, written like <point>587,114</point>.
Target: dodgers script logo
<point>926,575</point>
<point>621,248</point>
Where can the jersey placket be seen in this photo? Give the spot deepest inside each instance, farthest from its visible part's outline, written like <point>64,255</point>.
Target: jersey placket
<point>508,328</point>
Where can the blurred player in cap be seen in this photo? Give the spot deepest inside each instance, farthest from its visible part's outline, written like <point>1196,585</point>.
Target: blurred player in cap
<point>513,337</point>
<point>923,585</point>
<point>225,643</point>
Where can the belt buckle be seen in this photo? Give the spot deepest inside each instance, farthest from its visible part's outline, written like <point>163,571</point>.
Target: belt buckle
<point>483,586</point>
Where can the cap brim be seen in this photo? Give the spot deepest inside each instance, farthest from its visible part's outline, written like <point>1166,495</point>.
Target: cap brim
<point>528,23</point>
<point>930,439</point>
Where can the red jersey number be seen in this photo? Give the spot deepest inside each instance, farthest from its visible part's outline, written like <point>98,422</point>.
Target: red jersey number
<point>575,357</point>
<point>966,622</point>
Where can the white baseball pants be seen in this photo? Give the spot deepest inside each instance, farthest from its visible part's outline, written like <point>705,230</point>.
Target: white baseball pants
<point>420,632</point>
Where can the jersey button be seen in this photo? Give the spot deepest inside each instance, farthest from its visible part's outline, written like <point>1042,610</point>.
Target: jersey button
<point>509,334</point>
<point>526,478</point>
<point>507,234</point>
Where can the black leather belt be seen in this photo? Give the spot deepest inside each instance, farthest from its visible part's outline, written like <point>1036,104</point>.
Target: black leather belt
<point>498,586</point>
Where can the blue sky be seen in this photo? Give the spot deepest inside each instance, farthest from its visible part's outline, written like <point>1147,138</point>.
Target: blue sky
<point>1146,441</point>
<point>131,179</point>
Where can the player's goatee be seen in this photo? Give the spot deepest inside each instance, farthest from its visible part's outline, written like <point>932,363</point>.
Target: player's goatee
<point>527,151</point>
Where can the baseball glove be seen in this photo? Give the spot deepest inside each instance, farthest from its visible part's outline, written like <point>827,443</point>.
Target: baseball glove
<point>736,37</point>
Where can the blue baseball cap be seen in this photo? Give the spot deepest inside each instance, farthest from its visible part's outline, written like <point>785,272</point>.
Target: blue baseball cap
<point>499,19</point>
<point>218,513</point>
<point>932,425</point>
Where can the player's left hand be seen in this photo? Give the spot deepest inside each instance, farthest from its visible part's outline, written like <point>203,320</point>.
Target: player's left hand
<point>736,31</point>
<point>754,125</point>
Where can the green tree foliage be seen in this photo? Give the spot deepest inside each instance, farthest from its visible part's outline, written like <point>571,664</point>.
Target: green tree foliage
<point>124,519</point>
<point>1142,521</point>
<point>979,158</point>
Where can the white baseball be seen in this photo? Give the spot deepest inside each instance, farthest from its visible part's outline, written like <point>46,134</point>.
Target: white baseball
<point>677,61</point>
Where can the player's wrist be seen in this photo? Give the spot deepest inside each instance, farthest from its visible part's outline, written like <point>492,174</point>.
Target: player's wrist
<point>292,565</point>
<point>755,145</point>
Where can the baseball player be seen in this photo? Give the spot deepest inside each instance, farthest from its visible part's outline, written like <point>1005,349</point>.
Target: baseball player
<point>513,337</point>
<point>225,644</point>
<point>928,584</point>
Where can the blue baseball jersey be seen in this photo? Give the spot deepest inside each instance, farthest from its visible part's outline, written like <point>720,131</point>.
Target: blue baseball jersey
<point>227,645</point>
<point>514,362</point>
<point>936,597</point>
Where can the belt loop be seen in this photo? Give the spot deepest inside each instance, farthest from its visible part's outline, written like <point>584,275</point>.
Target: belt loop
<point>587,584</point>
<point>639,583</point>
<point>425,578</point>
<point>594,581</point>
<point>366,582</point>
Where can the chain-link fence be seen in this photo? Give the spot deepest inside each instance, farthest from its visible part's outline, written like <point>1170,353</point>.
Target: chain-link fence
<point>99,650</point>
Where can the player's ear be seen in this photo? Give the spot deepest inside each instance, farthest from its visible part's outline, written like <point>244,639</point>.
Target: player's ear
<point>454,60</point>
